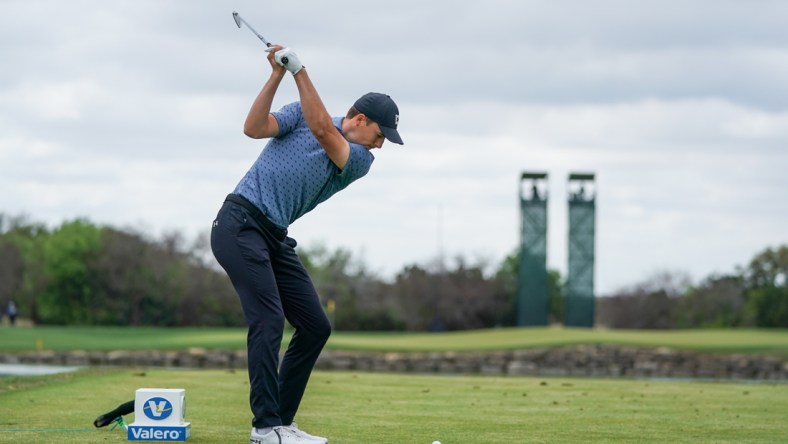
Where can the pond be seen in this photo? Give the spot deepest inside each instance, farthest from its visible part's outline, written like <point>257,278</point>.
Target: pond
<point>34,370</point>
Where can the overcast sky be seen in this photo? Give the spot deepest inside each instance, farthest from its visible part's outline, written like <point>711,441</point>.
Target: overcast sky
<point>130,113</point>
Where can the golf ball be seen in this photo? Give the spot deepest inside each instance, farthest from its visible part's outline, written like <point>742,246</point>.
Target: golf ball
<point>436,442</point>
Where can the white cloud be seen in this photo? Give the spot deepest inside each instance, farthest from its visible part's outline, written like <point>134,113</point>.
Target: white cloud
<point>132,114</point>
<point>56,100</point>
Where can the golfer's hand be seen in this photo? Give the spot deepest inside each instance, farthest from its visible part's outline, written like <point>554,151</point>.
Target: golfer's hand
<point>275,67</point>
<point>287,57</point>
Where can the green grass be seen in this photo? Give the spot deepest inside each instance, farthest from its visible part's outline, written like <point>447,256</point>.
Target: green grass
<point>119,338</point>
<point>743,341</point>
<point>774,341</point>
<point>356,408</point>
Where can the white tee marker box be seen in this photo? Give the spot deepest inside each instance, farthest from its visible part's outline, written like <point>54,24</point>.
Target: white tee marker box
<point>159,415</point>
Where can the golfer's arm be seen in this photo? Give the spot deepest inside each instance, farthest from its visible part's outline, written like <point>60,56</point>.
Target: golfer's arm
<point>259,122</point>
<point>320,122</point>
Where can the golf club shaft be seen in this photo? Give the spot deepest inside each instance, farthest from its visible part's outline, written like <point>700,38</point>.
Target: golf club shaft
<point>238,20</point>
<point>241,20</point>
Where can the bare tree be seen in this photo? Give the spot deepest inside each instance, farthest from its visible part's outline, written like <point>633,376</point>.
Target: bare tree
<point>647,305</point>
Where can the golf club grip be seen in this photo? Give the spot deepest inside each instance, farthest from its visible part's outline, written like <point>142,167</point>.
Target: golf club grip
<point>284,59</point>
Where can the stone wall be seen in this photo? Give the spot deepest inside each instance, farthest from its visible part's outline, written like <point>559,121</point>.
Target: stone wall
<point>606,361</point>
<point>596,360</point>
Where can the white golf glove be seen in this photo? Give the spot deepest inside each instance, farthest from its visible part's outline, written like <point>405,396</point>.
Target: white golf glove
<point>288,58</point>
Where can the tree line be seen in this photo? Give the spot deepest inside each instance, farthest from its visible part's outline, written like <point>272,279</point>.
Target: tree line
<point>80,273</point>
<point>83,274</point>
<point>752,296</point>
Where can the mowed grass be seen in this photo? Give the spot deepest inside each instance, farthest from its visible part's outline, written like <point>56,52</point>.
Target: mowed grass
<point>367,408</point>
<point>768,341</point>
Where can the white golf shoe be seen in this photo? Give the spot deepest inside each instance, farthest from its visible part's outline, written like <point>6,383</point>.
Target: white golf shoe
<point>284,435</point>
<point>312,438</point>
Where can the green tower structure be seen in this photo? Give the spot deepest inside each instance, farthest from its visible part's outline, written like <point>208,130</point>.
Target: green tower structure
<point>580,300</point>
<point>532,297</point>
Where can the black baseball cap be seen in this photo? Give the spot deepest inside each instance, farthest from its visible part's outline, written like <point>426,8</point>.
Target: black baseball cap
<point>382,110</point>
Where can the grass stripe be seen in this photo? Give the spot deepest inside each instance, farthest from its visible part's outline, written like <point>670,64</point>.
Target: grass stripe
<point>771,341</point>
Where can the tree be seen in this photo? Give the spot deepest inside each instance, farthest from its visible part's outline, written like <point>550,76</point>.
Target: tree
<point>768,268</point>
<point>766,279</point>
<point>415,290</point>
<point>22,262</point>
<point>769,304</point>
<point>353,296</point>
<point>165,283</point>
<point>506,284</point>
<point>466,298</point>
<point>83,274</point>
<point>12,271</point>
<point>555,294</point>
<point>505,280</point>
<point>69,293</point>
<point>650,304</point>
<point>718,301</point>
<point>457,297</point>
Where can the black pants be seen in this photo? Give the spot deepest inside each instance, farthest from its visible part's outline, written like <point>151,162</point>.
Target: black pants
<point>273,285</point>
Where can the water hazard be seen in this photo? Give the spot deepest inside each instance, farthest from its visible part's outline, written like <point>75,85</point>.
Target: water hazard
<point>34,370</point>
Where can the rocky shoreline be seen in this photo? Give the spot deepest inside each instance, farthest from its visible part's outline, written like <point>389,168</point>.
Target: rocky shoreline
<point>590,360</point>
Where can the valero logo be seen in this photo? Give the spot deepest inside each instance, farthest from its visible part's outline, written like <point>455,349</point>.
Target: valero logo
<point>157,408</point>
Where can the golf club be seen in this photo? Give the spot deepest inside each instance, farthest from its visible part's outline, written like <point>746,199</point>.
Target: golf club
<point>238,20</point>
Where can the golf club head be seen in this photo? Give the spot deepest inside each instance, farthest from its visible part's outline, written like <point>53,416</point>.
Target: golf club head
<point>237,19</point>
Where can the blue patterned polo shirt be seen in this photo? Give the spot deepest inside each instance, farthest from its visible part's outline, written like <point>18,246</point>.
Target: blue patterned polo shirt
<point>293,173</point>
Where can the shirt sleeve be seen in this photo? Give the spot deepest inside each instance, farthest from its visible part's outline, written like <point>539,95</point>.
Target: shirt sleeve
<point>358,163</point>
<point>289,117</point>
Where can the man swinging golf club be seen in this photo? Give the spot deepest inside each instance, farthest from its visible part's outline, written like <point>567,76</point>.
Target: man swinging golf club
<point>310,156</point>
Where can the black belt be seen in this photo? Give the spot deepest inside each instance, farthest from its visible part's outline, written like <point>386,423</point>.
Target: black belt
<point>278,232</point>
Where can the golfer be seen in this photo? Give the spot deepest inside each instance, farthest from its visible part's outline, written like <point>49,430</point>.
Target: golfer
<point>310,156</point>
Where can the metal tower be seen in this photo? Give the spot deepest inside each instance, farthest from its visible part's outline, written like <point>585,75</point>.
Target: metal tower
<point>580,279</point>
<point>532,297</point>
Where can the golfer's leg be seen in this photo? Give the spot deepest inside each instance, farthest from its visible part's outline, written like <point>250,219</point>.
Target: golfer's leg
<point>303,310</point>
<point>244,255</point>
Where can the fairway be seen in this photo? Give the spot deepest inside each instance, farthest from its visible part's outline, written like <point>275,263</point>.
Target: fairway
<point>364,408</point>
<point>768,341</point>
